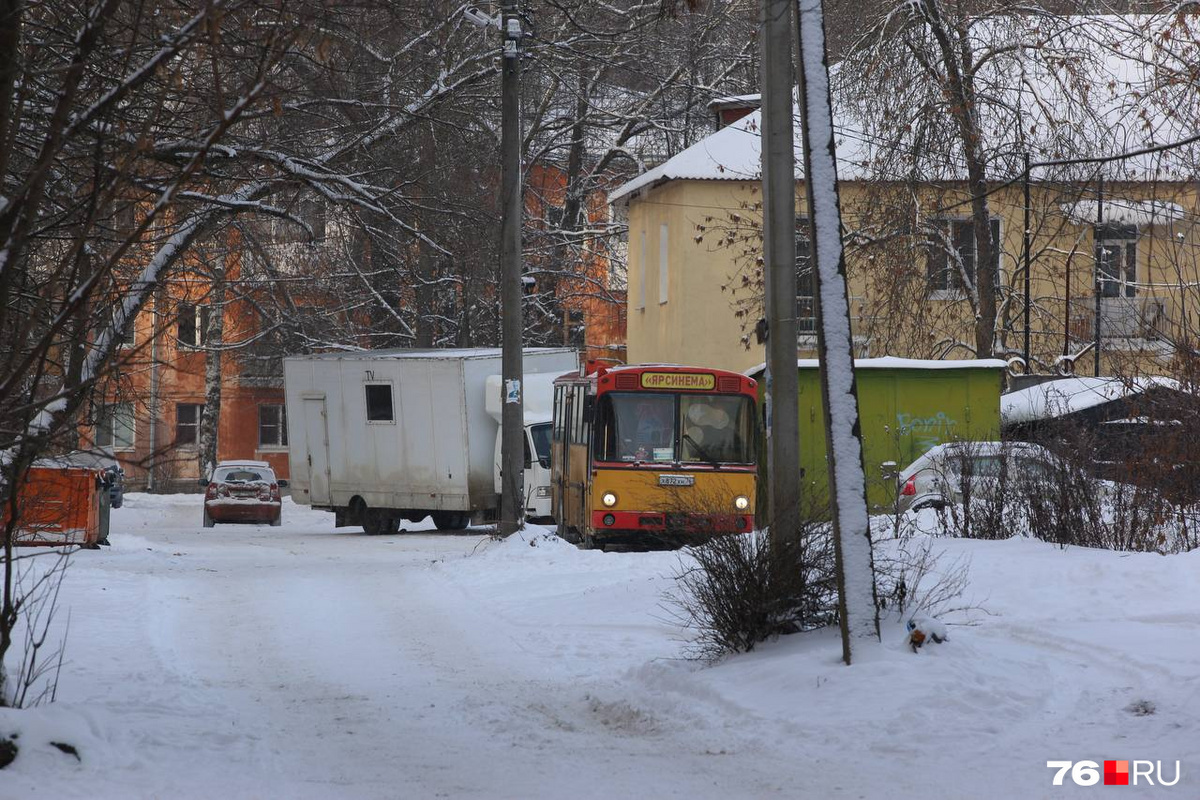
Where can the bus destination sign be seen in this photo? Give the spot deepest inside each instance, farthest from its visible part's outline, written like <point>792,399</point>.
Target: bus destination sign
<point>695,381</point>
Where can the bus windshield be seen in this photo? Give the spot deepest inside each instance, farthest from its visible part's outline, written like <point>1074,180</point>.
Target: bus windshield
<point>635,426</point>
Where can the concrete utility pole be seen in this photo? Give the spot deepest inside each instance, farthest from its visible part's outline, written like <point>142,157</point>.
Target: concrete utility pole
<point>779,270</point>
<point>1099,281</point>
<point>512,451</point>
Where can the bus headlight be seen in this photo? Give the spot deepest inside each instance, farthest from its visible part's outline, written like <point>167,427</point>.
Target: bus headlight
<point>609,499</point>
<point>741,502</point>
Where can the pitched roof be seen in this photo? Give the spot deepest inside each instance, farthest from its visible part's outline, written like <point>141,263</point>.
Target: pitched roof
<point>1059,398</point>
<point>1130,106</point>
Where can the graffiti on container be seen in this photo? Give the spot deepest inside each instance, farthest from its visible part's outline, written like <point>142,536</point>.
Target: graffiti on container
<point>927,431</point>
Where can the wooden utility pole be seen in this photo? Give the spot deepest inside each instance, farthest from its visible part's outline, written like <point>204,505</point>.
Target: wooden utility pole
<point>512,420</point>
<point>779,272</point>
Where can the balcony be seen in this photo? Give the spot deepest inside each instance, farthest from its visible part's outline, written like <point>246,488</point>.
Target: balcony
<point>1120,318</point>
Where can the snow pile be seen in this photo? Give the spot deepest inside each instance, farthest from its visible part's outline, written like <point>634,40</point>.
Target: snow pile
<point>56,739</point>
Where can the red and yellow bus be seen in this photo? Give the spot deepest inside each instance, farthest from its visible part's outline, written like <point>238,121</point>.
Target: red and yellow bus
<point>653,456</point>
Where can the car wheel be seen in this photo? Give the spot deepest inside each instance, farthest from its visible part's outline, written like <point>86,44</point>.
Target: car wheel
<point>208,521</point>
<point>275,523</point>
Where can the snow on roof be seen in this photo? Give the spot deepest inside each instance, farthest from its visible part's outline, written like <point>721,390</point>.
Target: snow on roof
<point>731,154</point>
<point>433,353</point>
<point>1129,110</point>
<point>1065,396</point>
<point>892,362</point>
<point>1124,212</point>
<point>736,101</point>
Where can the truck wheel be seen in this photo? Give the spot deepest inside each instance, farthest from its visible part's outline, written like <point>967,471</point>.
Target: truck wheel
<point>374,523</point>
<point>450,520</point>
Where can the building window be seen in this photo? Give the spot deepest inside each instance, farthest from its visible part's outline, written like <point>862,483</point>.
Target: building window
<point>193,325</point>
<point>114,426</point>
<point>663,274</point>
<point>956,244</point>
<point>574,328</point>
<point>1116,260</point>
<point>125,338</point>
<point>806,282</point>
<point>272,426</point>
<point>187,423</point>
<point>379,402</point>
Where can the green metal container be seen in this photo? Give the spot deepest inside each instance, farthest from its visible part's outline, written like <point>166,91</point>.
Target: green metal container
<point>906,406</point>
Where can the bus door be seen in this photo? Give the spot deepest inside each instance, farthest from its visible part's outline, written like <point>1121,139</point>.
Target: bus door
<point>558,454</point>
<point>575,459</point>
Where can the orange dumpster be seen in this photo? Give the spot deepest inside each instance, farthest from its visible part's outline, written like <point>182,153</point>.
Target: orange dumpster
<point>58,505</point>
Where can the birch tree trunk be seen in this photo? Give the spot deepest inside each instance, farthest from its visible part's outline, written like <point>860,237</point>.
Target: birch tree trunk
<point>210,420</point>
<point>858,612</point>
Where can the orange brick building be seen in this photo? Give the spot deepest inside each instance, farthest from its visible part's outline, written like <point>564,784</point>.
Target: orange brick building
<point>151,410</point>
<point>149,414</point>
<point>593,312</point>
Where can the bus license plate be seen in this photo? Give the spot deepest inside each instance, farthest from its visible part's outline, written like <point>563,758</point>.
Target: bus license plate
<point>676,480</point>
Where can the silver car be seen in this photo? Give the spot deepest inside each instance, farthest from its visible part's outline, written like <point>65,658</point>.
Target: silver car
<point>937,478</point>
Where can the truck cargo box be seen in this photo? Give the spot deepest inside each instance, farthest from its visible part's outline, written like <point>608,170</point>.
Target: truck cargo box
<point>403,430</point>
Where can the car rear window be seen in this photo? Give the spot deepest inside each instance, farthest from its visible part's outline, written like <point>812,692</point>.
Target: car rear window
<point>243,475</point>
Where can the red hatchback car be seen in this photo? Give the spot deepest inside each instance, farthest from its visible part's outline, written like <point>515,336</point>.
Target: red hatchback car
<point>242,491</point>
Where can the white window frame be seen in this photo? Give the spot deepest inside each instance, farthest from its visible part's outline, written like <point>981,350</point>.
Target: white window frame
<point>664,277</point>
<point>392,396</point>
<point>1125,245</point>
<point>129,339</point>
<point>198,424</point>
<point>281,426</point>
<point>109,410</point>
<point>959,292</point>
<point>201,312</point>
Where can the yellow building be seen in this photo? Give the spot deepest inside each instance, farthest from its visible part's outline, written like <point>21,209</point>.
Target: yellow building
<point>695,281</point>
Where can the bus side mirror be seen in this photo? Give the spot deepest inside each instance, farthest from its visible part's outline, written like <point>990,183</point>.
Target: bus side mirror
<point>589,405</point>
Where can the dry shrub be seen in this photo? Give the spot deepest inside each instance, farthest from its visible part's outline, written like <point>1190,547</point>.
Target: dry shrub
<point>1061,500</point>
<point>740,590</point>
<point>912,577</point>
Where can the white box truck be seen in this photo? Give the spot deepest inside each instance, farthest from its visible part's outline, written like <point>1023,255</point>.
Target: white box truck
<point>386,436</point>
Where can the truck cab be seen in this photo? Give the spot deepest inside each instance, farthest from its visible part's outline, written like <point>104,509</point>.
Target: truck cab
<point>537,468</point>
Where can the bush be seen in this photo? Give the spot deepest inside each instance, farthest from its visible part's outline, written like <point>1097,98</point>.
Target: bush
<point>739,590</point>
<point>1064,503</point>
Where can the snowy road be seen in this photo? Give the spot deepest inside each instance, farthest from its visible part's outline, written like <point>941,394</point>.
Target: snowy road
<point>299,662</point>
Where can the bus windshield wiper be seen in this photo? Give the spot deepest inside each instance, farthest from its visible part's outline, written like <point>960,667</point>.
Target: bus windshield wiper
<point>704,454</point>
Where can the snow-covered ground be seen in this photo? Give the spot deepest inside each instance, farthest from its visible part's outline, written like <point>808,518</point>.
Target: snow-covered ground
<point>304,662</point>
